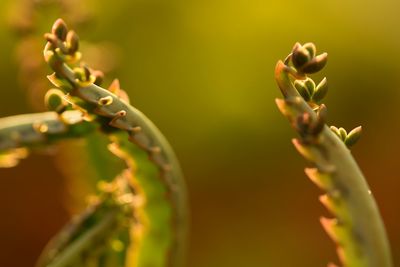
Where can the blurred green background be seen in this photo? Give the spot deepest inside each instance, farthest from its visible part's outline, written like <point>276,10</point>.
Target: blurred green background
<point>203,72</point>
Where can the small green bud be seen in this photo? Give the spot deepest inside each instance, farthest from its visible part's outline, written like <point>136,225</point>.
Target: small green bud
<point>320,91</point>
<point>310,85</point>
<point>99,77</point>
<point>60,29</point>
<point>343,133</point>
<point>314,65</point>
<point>353,136</point>
<point>302,89</point>
<point>72,58</point>
<point>321,118</point>
<point>58,46</point>
<point>300,56</point>
<point>80,74</point>
<point>51,38</point>
<point>83,76</point>
<point>335,130</point>
<point>87,72</point>
<point>72,42</point>
<point>54,100</point>
<point>305,60</point>
<point>311,49</point>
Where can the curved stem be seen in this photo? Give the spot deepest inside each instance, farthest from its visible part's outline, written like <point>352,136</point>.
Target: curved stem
<point>89,240</point>
<point>112,109</point>
<point>358,228</point>
<point>40,129</point>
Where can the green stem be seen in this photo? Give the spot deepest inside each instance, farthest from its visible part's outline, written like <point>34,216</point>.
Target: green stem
<point>40,129</point>
<point>113,111</point>
<point>93,232</point>
<point>94,237</point>
<point>358,228</point>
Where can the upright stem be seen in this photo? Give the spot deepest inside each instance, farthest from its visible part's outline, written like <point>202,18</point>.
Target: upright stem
<point>358,229</point>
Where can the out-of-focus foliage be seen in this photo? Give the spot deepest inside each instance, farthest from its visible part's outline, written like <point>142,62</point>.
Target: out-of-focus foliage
<point>203,71</point>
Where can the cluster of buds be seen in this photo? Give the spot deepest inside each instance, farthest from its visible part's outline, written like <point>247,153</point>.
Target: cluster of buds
<point>65,42</point>
<point>348,138</point>
<point>305,58</point>
<point>312,93</point>
<point>64,45</point>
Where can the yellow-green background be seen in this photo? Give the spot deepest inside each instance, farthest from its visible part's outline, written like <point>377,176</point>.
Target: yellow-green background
<point>202,70</point>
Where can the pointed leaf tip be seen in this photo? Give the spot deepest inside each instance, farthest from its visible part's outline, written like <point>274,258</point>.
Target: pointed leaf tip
<point>311,49</point>
<point>72,42</point>
<point>320,91</point>
<point>114,86</point>
<point>315,65</point>
<point>302,89</point>
<point>330,226</point>
<point>60,29</point>
<point>343,133</point>
<point>353,136</point>
<point>300,57</point>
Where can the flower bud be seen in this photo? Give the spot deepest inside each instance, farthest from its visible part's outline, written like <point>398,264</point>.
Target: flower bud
<point>80,74</point>
<point>60,29</point>
<point>87,72</point>
<point>320,91</point>
<point>99,76</point>
<point>320,123</point>
<point>335,130</point>
<point>305,60</point>
<point>311,49</point>
<point>302,89</point>
<point>54,100</point>
<point>353,136</point>
<point>343,133</point>
<point>314,65</point>
<point>300,56</point>
<point>72,42</point>
<point>310,85</point>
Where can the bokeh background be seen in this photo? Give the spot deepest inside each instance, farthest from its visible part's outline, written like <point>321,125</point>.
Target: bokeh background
<point>202,70</point>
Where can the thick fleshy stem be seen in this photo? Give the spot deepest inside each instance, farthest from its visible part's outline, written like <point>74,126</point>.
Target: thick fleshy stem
<point>357,228</point>
<point>93,235</point>
<point>112,109</point>
<point>20,133</point>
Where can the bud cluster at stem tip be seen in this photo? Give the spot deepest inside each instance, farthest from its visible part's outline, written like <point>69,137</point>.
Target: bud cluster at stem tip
<point>64,46</point>
<point>60,32</point>
<point>305,60</point>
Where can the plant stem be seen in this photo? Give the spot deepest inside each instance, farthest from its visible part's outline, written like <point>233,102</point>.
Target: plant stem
<point>358,228</point>
<point>21,132</point>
